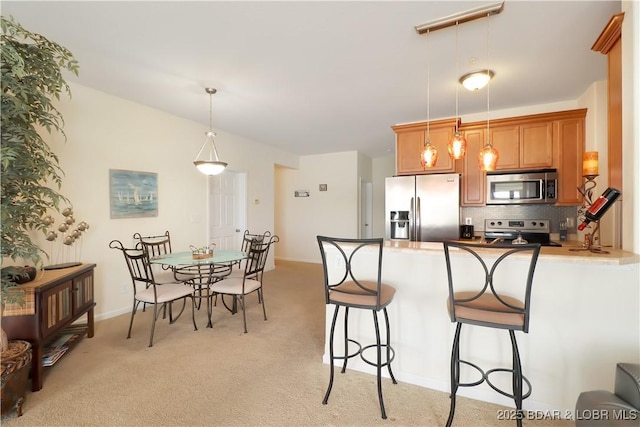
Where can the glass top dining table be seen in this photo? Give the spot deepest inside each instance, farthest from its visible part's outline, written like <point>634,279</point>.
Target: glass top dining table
<point>183,260</point>
<point>177,259</point>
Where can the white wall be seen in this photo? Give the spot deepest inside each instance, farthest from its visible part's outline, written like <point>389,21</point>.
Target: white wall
<point>333,212</point>
<point>107,132</point>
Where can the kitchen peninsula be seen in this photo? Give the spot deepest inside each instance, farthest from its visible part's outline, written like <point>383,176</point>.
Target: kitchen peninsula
<point>584,319</point>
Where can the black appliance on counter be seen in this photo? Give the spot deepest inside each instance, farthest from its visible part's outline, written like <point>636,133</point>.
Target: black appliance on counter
<point>531,230</point>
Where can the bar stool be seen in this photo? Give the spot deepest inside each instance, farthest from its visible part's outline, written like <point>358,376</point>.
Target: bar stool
<point>486,291</point>
<point>342,260</point>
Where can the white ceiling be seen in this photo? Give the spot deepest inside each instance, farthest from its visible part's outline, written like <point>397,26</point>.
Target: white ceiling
<point>319,77</point>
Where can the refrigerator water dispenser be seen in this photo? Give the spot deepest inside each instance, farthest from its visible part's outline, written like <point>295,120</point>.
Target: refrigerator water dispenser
<point>400,225</point>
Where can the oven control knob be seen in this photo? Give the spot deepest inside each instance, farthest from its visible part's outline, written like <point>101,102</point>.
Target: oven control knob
<point>492,223</point>
<point>533,223</point>
<point>499,222</point>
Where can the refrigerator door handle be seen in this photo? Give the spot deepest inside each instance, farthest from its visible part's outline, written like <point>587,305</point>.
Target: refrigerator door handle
<point>411,221</point>
<point>418,221</point>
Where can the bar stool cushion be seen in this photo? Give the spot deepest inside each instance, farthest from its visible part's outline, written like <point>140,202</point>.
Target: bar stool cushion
<point>349,293</point>
<point>487,308</point>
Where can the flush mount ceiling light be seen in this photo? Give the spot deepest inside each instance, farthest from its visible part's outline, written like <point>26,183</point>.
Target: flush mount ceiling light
<point>212,164</point>
<point>476,80</point>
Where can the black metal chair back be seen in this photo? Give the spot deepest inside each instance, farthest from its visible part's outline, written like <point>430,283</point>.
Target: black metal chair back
<point>137,260</point>
<point>343,273</point>
<point>248,238</point>
<point>258,252</point>
<point>155,245</point>
<point>479,278</point>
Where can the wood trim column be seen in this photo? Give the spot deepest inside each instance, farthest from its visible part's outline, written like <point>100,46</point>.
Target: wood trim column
<point>610,43</point>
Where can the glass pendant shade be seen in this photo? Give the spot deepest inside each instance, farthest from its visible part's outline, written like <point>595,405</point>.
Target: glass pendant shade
<point>457,146</point>
<point>212,165</point>
<point>488,158</point>
<point>429,156</point>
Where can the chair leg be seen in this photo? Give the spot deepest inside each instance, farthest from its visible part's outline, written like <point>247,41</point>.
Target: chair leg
<point>455,373</point>
<point>244,313</point>
<point>346,339</point>
<point>379,363</point>
<point>153,324</point>
<point>517,378</point>
<point>261,299</point>
<point>133,313</point>
<point>331,333</point>
<point>386,319</point>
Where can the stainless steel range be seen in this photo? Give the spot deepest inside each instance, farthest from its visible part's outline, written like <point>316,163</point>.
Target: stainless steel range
<point>531,230</point>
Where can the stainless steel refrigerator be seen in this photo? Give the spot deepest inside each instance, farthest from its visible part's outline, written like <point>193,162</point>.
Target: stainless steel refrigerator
<point>422,207</point>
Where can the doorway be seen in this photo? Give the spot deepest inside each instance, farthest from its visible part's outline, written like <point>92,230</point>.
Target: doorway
<point>227,209</point>
<point>366,209</point>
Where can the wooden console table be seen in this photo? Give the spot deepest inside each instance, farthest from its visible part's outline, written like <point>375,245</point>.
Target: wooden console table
<point>51,303</point>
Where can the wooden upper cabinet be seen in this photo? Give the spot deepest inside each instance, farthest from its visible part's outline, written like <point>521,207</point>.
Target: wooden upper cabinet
<point>506,140</point>
<point>410,139</point>
<point>472,188</point>
<point>569,135</point>
<point>536,145</point>
<point>610,43</point>
<point>523,146</point>
<point>409,144</point>
<point>539,141</point>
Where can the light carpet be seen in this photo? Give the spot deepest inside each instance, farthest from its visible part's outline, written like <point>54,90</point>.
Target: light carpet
<point>220,376</point>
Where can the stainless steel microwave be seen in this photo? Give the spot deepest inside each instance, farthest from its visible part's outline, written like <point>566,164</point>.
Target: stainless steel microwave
<point>504,188</point>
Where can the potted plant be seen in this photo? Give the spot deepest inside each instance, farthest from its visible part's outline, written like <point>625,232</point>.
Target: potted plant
<point>32,78</point>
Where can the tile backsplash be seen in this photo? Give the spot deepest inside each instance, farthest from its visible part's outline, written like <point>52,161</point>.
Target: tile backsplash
<point>554,214</point>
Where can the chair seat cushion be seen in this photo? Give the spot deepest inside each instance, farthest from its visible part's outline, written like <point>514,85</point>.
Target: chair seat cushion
<point>233,286</point>
<point>488,309</point>
<point>166,292</point>
<point>348,293</point>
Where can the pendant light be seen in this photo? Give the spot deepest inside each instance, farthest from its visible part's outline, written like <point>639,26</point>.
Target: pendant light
<point>488,156</point>
<point>212,165</point>
<point>429,155</point>
<point>457,146</point>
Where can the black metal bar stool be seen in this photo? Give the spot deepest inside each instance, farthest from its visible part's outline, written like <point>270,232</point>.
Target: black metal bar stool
<point>343,259</point>
<point>484,290</point>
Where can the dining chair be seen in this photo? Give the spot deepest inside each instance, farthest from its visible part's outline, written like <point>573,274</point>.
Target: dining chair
<point>486,291</point>
<point>251,279</point>
<point>147,291</point>
<point>157,246</point>
<point>237,269</point>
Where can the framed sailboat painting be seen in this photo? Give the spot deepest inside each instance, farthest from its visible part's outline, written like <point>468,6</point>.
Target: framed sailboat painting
<point>133,194</point>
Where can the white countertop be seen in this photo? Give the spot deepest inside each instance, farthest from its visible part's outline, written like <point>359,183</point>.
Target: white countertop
<point>569,252</point>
